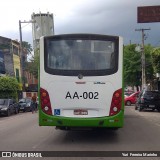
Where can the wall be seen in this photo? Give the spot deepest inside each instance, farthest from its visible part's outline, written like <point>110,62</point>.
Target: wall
<point>5,47</point>
<point>2,66</point>
<point>16,60</point>
<point>8,61</point>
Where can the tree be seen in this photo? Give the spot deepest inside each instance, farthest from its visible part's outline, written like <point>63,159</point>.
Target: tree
<point>9,87</point>
<point>149,67</point>
<point>156,59</point>
<point>27,46</point>
<point>33,65</point>
<point>132,65</point>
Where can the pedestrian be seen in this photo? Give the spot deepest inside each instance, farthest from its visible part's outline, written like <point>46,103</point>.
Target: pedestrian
<point>33,104</point>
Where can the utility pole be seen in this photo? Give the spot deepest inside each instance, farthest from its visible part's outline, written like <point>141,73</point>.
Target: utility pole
<point>143,58</point>
<point>21,53</point>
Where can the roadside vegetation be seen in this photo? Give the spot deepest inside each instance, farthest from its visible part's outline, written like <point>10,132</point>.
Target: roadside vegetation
<point>133,68</point>
<point>9,87</point>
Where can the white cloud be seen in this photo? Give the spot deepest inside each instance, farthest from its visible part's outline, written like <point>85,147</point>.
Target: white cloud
<point>97,16</point>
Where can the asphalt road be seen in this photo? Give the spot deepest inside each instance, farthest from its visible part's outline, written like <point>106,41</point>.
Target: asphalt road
<point>141,132</point>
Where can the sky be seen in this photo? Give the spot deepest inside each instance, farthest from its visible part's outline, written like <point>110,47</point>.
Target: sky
<point>110,17</point>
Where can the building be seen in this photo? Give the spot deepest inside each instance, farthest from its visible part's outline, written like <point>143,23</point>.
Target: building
<point>43,26</point>
<point>32,82</point>
<point>16,60</point>
<point>2,66</point>
<point>6,53</point>
<point>10,62</point>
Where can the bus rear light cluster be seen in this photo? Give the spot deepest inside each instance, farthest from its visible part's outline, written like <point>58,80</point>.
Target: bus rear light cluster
<point>45,102</point>
<point>116,102</point>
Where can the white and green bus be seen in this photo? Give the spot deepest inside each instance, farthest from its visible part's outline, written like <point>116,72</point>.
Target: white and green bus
<point>80,81</point>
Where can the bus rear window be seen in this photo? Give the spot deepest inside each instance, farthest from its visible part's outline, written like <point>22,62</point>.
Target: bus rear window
<point>80,55</point>
<point>74,55</point>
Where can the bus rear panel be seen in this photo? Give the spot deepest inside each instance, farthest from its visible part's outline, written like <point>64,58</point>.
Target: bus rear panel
<point>81,81</point>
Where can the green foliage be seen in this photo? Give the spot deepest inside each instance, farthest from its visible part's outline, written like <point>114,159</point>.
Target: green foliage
<point>156,59</point>
<point>132,65</point>
<point>32,66</point>
<point>27,46</point>
<point>8,87</point>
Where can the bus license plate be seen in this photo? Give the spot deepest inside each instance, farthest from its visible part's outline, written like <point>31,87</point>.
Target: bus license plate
<point>80,112</point>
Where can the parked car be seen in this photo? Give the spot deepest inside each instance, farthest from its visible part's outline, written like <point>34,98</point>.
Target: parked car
<point>131,99</point>
<point>8,107</point>
<point>128,93</point>
<point>148,100</point>
<point>25,104</point>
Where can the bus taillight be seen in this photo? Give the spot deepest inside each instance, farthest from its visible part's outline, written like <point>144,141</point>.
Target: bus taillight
<point>116,102</point>
<point>45,102</point>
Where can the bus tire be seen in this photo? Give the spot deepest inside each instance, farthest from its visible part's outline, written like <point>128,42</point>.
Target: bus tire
<point>114,129</point>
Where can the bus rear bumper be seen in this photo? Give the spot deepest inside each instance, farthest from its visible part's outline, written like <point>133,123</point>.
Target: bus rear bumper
<point>115,121</point>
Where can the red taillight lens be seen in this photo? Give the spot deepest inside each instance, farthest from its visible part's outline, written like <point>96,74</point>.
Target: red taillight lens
<point>116,102</point>
<point>45,102</point>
